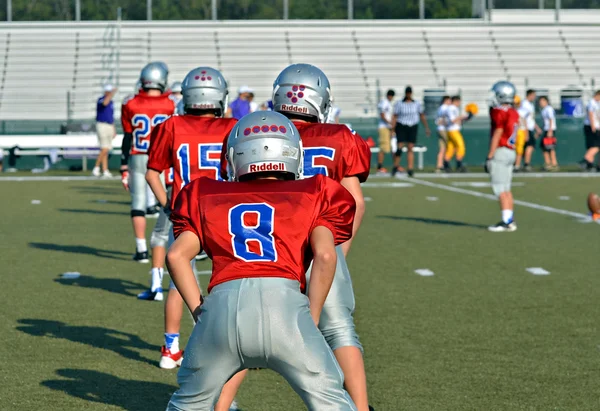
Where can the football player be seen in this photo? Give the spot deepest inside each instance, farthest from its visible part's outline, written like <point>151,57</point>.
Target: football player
<point>261,232</point>
<point>191,144</point>
<point>139,115</point>
<point>302,93</point>
<point>440,120</point>
<point>501,156</point>
<point>456,142</point>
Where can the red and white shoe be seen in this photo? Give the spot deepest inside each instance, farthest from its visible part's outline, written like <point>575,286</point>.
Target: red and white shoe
<point>169,360</point>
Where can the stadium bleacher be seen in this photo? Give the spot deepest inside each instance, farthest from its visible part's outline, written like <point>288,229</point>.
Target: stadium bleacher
<point>43,62</point>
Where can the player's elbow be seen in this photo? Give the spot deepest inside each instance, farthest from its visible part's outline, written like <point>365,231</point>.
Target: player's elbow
<point>325,256</point>
<point>151,176</point>
<point>360,206</point>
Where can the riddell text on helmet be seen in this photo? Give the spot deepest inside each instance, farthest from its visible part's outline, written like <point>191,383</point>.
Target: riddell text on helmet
<point>295,109</point>
<point>254,168</point>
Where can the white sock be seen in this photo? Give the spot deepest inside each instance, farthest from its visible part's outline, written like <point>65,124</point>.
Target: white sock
<point>175,345</point>
<point>140,245</point>
<point>507,216</point>
<point>157,276</point>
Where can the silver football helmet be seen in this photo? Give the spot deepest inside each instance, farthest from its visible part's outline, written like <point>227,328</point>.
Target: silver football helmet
<point>176,87</point>
<point>302,89</point>
<point>264,141</point>
<point>502,92</point>
<point>205,88</point>
<point>155,76</point>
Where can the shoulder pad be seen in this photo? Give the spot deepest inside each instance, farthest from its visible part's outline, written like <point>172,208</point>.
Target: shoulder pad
<point>128,98</point>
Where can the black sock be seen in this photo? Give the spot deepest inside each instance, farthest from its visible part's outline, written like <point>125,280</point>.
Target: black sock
<point>458,163</point>
<point>446,164</point>
<point>379,165</point>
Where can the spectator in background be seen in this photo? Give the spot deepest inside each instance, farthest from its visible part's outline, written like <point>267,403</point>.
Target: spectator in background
<point>407,114</point>
<point>176,91</point>
<point>440,120</point>
<point>528,110</point>
<point>267,105</point>
<point>386,112</point>
<point>253,104</point>
<point>548,143</point>
<point>591,130</point>
<point>241,105</point>
<point>334,114</point>
<point>105,127</point>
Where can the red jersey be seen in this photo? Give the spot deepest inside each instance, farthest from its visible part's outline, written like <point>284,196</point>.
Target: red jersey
<point>191,145</point>
<point>506,118</point>
<point>332,150</point>
<point>140,114</point>
<point>262,228</point>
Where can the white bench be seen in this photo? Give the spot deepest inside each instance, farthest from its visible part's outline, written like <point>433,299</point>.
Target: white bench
<point>419,150</point>
<point>82,145</point>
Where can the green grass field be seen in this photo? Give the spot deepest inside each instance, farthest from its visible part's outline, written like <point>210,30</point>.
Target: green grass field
<point>481,334</point>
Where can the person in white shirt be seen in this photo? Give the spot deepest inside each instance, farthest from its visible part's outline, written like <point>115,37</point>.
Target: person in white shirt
<point>386,111</point>
<point>334,115</point>
<point>440,120</point>
<point>528,110</point>
<point>548,143</point>
<point>591,130</point>
<point>456,142</point>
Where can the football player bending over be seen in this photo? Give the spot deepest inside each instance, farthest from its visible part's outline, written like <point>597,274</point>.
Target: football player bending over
<point>139,116</point>
<point>301,92</point>
<point>191,144</point>
<point>261,231</point>
<point>501,157</point>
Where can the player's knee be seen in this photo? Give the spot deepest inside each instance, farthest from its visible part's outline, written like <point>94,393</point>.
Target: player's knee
<point>340,337</point>
<point>159,240</point>
<point>138,213</point>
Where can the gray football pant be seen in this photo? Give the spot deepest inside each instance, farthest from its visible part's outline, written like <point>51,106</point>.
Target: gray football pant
<point>160,234</point>
<point>502,170</point>
<point>336,322</point>
<point>258,323</point>
<point>137,182</point>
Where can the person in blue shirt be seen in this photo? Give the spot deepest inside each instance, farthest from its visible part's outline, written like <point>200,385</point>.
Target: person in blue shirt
<point>105,127</point>
<point>241,105</point>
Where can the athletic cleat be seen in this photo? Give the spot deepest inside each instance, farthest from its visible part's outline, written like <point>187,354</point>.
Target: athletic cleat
<point>502,227</point>
<point>411,173</point>
<point>168,360</point>
<point>234,406</point>
<point>462,169</point>
<point>150,295</point>
<point>382,171</point>
<point>141,257</point>
<point>106,174</point>
<point>152,212</point>
<point>394,171</point>
<point>527,168</point>
<point>201,256</point>
<point>371,408</point>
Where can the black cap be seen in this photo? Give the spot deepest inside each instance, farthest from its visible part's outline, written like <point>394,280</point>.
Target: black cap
<point>408,90</point>
<point>391,92</point>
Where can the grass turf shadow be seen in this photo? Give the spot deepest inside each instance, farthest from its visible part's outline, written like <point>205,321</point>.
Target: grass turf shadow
<point>88,211</point>
<point>99,387</point>
<point>114,285</point>
<point>119,342</point>
<point>436,221</point>
<point>82,249</point>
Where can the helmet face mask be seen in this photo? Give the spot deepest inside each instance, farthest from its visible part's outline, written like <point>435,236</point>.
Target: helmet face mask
<point>205,88</point>
<point>154,76</point>
<point>502,92</point>
<point>302,90</point>
<point>264,142</point>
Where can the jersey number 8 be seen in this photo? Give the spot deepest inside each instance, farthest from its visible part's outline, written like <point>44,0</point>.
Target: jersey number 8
<point>251,229</point>
<point>142,127</point>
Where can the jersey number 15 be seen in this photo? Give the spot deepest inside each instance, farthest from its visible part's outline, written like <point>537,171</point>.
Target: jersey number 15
<point>208,159</point>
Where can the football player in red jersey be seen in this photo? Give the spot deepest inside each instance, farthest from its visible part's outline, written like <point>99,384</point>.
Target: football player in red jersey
<point>139,116</point>
<point>501,157</point>
<point>302,93</point>
<point>261,232</point>
<point>191,144</point>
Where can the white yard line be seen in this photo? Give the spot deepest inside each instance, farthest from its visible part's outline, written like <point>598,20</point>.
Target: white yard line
<point>57,178</point>
<point>493,198</point>
<point>452,176</point>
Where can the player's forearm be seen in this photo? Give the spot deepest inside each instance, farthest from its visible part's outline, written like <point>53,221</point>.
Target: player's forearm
<point>153,179</point>
<point>394,121</point>
<point>424,121</point>
<point>358,217</point>
<point>323,270</point>
<point>183,250</point>
<point>125,149</point>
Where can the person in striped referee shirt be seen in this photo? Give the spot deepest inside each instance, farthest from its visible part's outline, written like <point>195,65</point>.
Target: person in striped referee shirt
<point>405,122</point>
